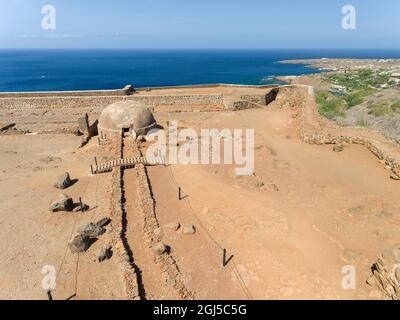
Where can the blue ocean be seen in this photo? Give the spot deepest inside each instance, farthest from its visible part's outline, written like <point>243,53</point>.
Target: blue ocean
<point>49,70</point>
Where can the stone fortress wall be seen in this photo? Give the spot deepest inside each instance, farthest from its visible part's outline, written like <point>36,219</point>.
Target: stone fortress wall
<point>90,101</point>
<point>46,112</point>
<point>103,98</point>
<point>318,130</point>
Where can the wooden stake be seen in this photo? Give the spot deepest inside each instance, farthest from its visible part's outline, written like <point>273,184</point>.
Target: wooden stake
<point>224,259</point>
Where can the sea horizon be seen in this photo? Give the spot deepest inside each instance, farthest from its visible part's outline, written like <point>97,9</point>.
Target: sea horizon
<point>71,69</point>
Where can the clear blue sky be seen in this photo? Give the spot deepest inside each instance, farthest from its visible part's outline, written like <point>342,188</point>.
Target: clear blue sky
<point>200,24</point>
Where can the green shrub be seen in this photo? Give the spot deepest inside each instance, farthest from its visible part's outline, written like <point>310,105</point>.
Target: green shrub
<point>395,106</point>
<point>357,97</point>
<point>380,109</point>
<point>330,106</point>
<point>365,74</point>
<point>354,99</point>
<point>384,109</point>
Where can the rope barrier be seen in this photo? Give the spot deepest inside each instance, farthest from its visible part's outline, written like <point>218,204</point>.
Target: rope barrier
<point>210,237</point>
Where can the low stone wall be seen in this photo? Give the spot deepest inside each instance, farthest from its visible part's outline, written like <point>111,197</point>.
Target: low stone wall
<point>119,92</point>
<point>317,130</point>
<point>168,264</point>
<point>250,101</point>
<point>88,93</point>
<point>255,98</point>
<point>103,98</point>
<point>153,100</point>
<point>118,230</point>
<point>213,85</point>
<point>104,101</point>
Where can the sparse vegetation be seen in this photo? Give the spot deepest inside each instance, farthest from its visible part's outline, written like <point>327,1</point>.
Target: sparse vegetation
<point>349,90</point>
<point>329,105</point>
<point>363,80</point>
<point>383,109</point>
<point>396,106</point>
<point>362,122</point>
<point>354,99</point>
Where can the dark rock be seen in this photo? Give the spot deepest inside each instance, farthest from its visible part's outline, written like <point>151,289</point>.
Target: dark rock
<point>93,230</point>
<point>105,253</point>
<point>8,126</point>
<point>103,222</point>
<point>64,181</point>
<point>338,147</point>
<point>80,242</point>
<point>63,203</point>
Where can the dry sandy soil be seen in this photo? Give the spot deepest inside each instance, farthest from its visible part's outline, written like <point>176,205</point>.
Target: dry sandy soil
<point>291,227</point>
<point>32,237</point>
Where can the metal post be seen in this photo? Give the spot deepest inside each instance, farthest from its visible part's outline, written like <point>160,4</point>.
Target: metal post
<point>224,259</point>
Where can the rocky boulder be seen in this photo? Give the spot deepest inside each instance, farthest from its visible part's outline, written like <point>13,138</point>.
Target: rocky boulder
<point>63,203</point>
<point>103,222</point>
<point>92,230</point>
<point>386,274</point>
<point>63,182</point>
<point>338,147</point>
<point>80,242</point>
<point>105,253</point>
